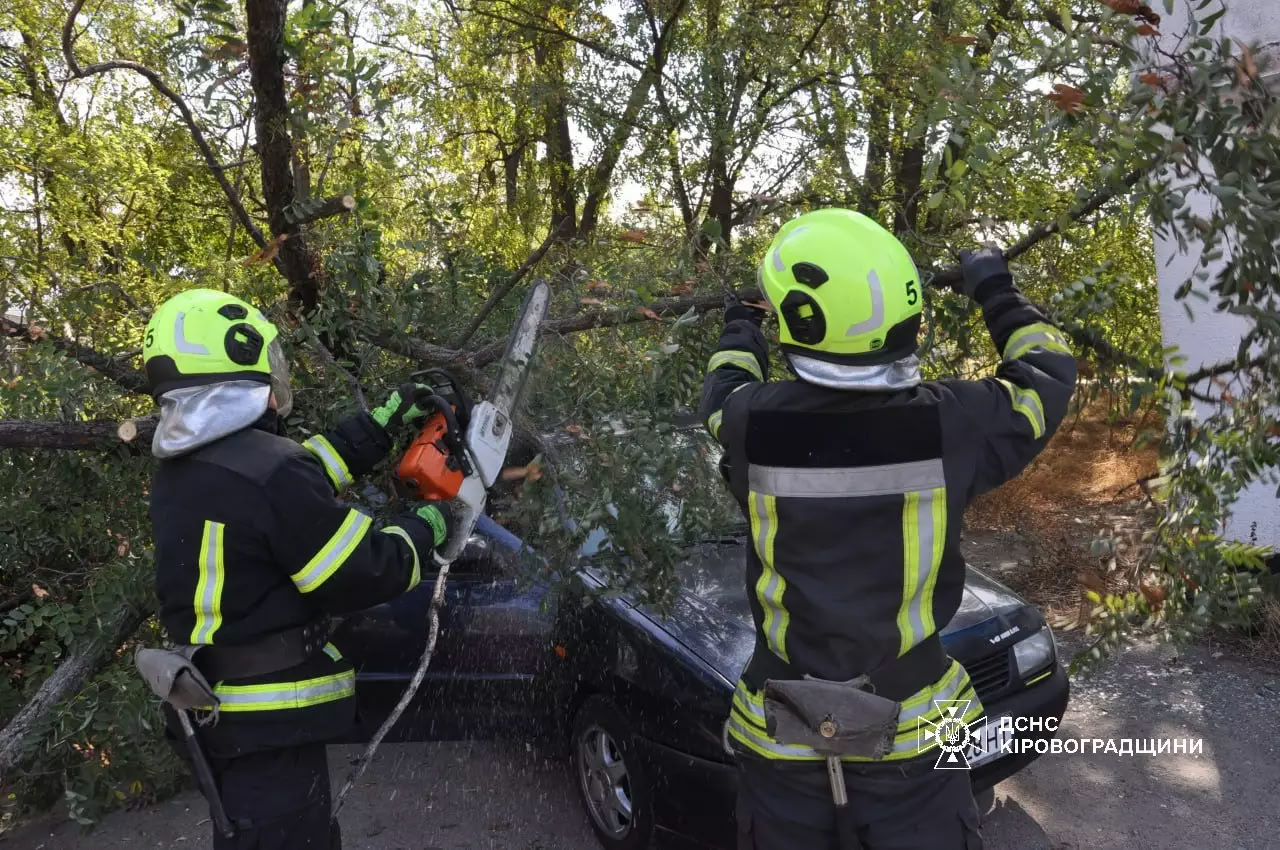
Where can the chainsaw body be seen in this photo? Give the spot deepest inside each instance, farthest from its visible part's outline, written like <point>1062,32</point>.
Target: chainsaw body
<point>435,464</point>
<point>428,469</point>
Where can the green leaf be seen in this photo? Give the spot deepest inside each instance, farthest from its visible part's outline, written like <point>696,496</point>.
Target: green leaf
<point>935,200</point>
<point>1207,23</point>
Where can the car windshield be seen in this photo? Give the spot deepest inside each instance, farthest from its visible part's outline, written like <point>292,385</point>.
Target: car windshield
<point>713,571</point>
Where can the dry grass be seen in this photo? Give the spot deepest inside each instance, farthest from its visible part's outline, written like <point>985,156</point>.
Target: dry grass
<point>1084,484</point>
<point>1087,464</point>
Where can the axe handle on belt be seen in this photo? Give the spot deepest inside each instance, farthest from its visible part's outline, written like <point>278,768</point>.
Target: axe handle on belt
<point>204,777</point>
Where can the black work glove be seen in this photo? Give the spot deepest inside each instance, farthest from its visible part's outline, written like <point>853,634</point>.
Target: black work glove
<point>735,308</point>
<point>982,273</point>
<point>404,408</point>
<point>442,517</point>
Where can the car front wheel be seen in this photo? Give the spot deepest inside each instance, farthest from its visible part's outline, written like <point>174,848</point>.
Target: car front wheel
<point>614,787</point>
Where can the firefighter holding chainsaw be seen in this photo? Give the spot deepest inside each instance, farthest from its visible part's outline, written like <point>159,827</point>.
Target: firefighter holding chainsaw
<point>254,551</point>
<point>855,477</point>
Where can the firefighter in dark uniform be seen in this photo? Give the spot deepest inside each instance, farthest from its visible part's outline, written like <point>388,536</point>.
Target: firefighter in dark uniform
<point>855,478</point>
<point>254,551</point>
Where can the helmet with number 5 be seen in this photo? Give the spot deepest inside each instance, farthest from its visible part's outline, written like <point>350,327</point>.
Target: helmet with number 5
<point>215,364</point>
<point>846,291</point>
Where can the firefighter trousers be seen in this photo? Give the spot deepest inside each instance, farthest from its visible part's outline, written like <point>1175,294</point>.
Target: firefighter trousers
<point>277,800</point>
<point>905,805</point>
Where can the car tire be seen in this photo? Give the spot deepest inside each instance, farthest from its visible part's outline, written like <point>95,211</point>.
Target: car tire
<point>614,787</point>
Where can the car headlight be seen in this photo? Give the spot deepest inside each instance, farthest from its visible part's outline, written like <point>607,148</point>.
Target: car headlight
<point>1034,653</point>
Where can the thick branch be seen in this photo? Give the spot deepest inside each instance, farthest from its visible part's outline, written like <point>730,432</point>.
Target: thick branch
<point>305,212</point>
<point>501,292</point>
<point>1225,368</point>
<point>127,377</point>
<point>613,317</point>
<point>100,435</point>
<point>601,177</point>
<point>219,174</point>
<point>82,662</point>
<point>1041,232</point>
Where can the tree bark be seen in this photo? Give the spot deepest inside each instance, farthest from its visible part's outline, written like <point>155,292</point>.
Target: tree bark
<point>549,58</point>
<point>80,665</point>
<point>275,148</point>
<point>125,376</point>
<point>907,178</point>
<point>95,435</point>
<point>305,212</point>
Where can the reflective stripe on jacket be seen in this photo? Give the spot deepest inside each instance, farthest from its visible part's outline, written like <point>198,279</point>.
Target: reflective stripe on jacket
<point>856,501</point>
<point>251,541</point>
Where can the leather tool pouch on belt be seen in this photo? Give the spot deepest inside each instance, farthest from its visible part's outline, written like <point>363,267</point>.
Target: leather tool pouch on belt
<point>172,675</point>
<point>833,718</point>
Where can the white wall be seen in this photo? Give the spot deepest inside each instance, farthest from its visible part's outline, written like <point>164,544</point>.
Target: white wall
<point>1214,337</point>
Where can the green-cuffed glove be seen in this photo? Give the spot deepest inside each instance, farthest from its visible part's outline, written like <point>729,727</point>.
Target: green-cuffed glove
<point>442,519</point>
<point>404,407</point>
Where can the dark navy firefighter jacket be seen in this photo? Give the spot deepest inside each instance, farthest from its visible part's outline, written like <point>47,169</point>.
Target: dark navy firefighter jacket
<point>251,541</point>
<point>856,500</point>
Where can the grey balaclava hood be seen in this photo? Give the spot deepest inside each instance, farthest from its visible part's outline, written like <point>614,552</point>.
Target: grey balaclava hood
<point>192,417</point>
<point>900,374</point>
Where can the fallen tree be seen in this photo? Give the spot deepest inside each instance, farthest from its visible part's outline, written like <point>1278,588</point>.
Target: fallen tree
<point>82,661</point>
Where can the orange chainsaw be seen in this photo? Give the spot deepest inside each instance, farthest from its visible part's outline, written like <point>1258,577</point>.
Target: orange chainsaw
<point>461,449</point>
<point>435,464</point>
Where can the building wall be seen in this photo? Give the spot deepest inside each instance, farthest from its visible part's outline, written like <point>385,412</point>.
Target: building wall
<point>1212,336</point>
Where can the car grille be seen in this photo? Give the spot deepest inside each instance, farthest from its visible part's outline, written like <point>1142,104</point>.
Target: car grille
<point>989,674</point>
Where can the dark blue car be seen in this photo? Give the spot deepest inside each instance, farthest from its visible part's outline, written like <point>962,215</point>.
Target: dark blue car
<point>640,700</point>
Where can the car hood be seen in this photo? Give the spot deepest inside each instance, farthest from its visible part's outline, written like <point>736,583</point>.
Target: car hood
<point>713,618</point>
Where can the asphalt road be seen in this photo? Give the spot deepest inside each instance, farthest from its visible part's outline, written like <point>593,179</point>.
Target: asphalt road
<point>505,796</point>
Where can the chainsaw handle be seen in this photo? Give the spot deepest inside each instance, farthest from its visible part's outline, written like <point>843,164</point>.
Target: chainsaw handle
<point>452,437</point>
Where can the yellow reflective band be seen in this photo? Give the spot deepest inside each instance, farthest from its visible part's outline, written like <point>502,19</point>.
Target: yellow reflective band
<point>771,586</point>
<point>924,531</point>
<point>1027,402</point>
<point>334,466</point>
<point>285,695</point>
<point>334,553</point>
<point>747,720</point>
<point>713,423</point>
<point>1031,337</point>
<point>759,742</point>
<point>416,576</point>
<point>749,705</point>
<point>743,360</point>
<point>1043,675</point>
<point>332,651</point>
<point>208,598</point>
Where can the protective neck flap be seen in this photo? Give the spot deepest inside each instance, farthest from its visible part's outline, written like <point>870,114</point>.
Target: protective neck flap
<point>196,416</point>
<point>885,377</point>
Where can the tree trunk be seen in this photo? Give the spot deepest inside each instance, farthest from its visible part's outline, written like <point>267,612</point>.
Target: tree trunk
<point>94,435</point>
<point>908,175</point>
<point>81,663</point>
<point>602,174</point>
<point>275,148</point>
<point>873,173</point>
<point>550,61</point>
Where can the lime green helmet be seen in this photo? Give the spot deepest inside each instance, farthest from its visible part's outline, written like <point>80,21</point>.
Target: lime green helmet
<point>845,289</point>
<point>203,336</point>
